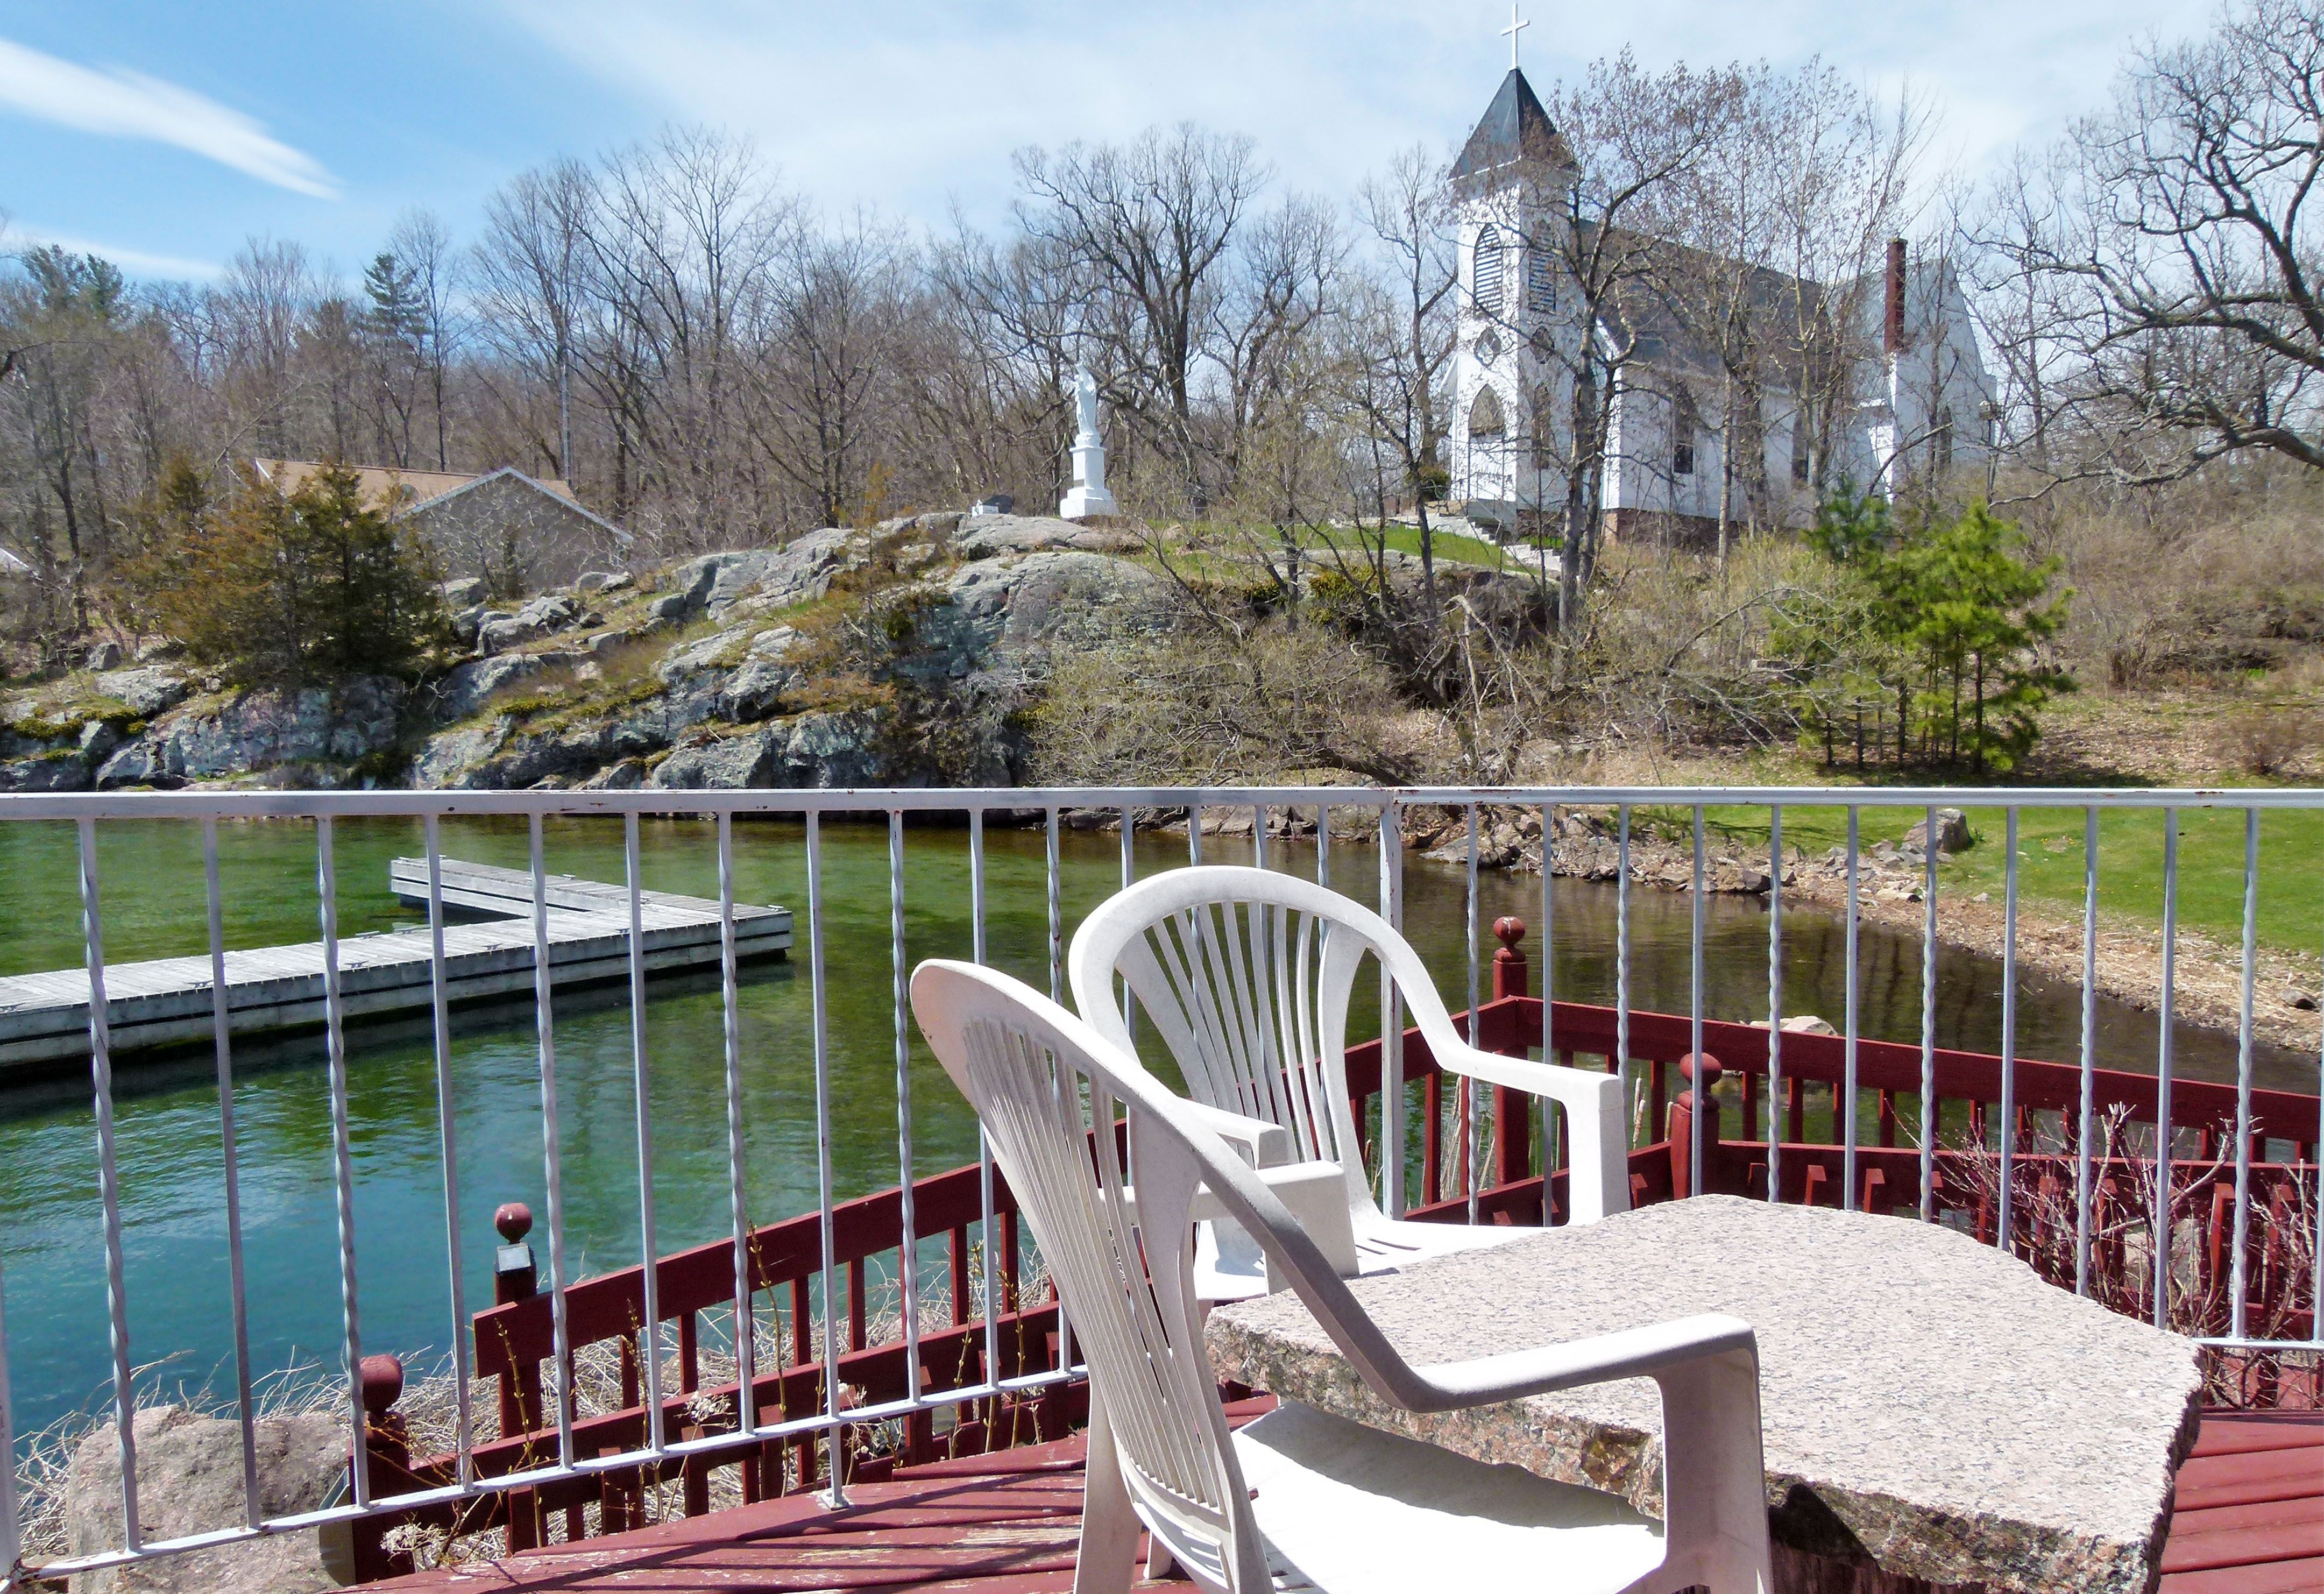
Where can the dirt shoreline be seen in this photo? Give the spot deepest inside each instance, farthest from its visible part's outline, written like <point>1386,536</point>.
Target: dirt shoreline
<point>1889,893</point>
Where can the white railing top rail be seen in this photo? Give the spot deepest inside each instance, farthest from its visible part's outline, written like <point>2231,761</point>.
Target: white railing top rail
<point>196,804</point>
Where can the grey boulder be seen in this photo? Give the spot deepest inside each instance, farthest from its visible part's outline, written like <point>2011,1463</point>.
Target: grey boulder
<point>64,770</point>
<point>1952,834</point>
<point>467,688</point>
<point>189,1481</point>
<point>1016,607</point>
<point>148,691</point>
<point>992,536</point>
<point>813,751</point>
<point>534,621</point>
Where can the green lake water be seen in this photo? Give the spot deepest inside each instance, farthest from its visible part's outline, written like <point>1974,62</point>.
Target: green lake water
<point>52,1255</point>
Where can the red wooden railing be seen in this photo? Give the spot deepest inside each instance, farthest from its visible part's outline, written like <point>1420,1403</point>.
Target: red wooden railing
<point>2278,1242</point>
<point>514,1338</point>
<point>1523,1175</point>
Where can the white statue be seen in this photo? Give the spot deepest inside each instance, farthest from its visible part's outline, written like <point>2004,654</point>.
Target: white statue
<point>1085,405</point>
<point>1088,495</point>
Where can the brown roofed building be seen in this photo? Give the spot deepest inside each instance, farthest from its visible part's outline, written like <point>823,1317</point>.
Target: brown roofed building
<point>520,534</point>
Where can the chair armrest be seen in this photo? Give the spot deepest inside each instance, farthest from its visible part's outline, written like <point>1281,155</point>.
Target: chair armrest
<point>1316,1192</point>
<point>1599,1178</point>
<point>1263,1145</point>
<point>1648,1352</point>
<point>1714,1466</point>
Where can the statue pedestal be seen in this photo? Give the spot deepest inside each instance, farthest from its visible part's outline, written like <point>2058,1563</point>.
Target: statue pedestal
<point>1088,496</point>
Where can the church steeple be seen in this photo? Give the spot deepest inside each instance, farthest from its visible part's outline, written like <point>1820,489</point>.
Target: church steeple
<point>1515,127</point>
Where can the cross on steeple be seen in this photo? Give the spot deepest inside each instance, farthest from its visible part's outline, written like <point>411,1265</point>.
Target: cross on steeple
<point>1510,33</point>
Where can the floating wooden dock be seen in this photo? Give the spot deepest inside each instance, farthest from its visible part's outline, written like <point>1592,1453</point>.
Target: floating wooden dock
<point>167,1002</point>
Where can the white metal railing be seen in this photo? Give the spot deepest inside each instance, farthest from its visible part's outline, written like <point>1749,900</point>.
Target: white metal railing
<point>1045,805</point>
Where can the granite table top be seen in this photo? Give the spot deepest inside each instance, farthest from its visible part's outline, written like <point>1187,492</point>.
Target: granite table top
<point>1930,1407</point>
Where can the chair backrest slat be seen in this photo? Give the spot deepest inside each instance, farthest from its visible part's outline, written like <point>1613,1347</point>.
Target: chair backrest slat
<point>1249,988</point>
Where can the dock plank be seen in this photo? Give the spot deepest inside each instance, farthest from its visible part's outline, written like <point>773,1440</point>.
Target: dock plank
<point>166,1001</point>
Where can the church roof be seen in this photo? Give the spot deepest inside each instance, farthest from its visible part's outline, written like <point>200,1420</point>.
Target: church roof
<point>1514,127</point>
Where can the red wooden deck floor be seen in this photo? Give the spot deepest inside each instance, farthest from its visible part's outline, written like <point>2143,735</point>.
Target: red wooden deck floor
<point>2250,1512</point>
<point>1003,1524</point>
<point>2249,1520</point>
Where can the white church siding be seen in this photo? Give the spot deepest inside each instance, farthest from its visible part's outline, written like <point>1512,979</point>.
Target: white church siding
<point>1509,173</point>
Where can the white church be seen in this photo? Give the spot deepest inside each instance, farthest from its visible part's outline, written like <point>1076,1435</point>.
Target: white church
<point>1917,398</point>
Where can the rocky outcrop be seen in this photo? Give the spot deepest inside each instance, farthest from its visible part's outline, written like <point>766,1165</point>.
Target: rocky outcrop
<point>992,536</point>
<point>534,621</point>
<point>814,750</point>
<point>748,703</point>
<point>1019,608</point>
<point>467,688</point>
<point>326,730</point>
<point>591,687</point>
<point>46,769</point>
<point>148,690</point>
<point>189,1481</point>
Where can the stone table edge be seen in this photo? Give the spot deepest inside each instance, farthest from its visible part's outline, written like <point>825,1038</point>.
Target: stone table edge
<point>1629,1462</point>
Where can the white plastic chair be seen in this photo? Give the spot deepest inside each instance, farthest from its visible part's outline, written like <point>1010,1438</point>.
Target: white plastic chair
<point>1247,975</point>
<point>1300,1499</point>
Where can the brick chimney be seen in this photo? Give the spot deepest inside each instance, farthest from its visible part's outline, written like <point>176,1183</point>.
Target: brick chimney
<point>1892,337</point>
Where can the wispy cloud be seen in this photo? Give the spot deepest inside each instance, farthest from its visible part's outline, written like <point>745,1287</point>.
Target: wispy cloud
<point>137,262</point>
<point>927,108</point>
<point>124,104</point>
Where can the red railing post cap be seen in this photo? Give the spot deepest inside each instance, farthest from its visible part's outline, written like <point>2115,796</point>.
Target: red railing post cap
<point>1713,1068</point>
<point>513,1219</point>
<point>1509,930</point>
<point>382,1383</point>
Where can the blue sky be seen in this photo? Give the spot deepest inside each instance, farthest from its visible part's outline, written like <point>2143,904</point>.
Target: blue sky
<point>163,134</point>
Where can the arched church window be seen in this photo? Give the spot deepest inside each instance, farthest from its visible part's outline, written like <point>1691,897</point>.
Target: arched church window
<point>1684,423</point>
<point>1485,418</point>
<point>1541,277</point>
<point>1485,271</point>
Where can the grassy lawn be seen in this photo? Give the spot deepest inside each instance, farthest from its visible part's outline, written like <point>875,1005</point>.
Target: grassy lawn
<point>2050,861</point>
<point>1468,550</point>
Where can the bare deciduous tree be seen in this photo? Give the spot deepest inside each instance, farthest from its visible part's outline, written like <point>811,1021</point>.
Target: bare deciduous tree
<point>1149,226</point>
<point>2162,273</point>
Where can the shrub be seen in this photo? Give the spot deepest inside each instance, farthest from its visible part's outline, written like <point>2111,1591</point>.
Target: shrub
<point>1945,622</point>
<point>2268,739</point>
<point>275,590</point>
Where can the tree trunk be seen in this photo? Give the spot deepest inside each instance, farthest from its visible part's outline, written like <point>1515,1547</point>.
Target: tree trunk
<point>1726,468</point>
<point>1977,750</point>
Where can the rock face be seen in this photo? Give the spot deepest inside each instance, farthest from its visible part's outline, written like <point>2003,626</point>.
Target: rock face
<point>991,535</point>
<point>1020,607</point>
<point>189,1481</point>
<point>534,621</point>
<point>942,627</point>
<point>325,729</point>
<point>464,690</point>
<point>149,690</point>
<point>750,703</point>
